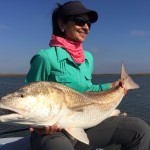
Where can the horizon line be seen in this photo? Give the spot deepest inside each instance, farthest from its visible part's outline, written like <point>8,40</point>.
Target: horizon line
<point>94,74</point>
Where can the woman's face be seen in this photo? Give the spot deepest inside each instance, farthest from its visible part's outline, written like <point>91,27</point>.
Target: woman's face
<point>74,31</point>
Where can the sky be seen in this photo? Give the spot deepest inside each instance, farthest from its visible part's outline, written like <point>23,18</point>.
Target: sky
<point>122,33</point>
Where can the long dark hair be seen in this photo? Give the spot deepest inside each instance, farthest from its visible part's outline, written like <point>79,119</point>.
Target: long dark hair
<point>56,15</point>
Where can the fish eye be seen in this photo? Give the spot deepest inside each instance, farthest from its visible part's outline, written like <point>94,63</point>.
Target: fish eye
<point>21,95</point>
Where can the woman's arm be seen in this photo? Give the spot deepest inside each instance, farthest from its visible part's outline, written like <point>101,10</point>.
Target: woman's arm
<point>40,68</point>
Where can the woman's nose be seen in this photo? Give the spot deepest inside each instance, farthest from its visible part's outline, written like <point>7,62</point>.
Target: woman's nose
<point>86,27</point>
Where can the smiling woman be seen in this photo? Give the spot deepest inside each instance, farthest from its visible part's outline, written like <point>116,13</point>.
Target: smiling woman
<point>66,62</point>
<point>76,29</point>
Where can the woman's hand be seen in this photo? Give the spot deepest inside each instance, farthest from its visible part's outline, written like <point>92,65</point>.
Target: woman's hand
<point>119,82</point>
<point>46,130</point>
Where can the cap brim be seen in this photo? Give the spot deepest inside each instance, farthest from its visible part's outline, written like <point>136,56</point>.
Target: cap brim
<point>76,8</point>
<point>93,16</point>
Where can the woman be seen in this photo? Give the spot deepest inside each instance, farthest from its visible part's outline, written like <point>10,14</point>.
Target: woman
<point>67,63</point>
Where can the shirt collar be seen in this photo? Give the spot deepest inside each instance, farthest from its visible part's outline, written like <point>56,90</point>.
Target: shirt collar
<point>63,54</point>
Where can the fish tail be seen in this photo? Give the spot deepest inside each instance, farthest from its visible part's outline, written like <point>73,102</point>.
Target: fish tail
<point>128,82</point>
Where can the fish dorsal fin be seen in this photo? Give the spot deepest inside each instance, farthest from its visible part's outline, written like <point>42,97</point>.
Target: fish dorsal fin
<point>128,82</point>
<point>78,134</point>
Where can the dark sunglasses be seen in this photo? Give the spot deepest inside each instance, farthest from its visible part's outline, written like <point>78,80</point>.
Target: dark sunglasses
<point>80,21</point>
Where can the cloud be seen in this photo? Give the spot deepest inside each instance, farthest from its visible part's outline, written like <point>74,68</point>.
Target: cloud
<point>139,33</point>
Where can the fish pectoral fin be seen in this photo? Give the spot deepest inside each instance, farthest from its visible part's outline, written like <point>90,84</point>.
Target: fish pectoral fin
<point>78,134</point>
<point>51,120</point>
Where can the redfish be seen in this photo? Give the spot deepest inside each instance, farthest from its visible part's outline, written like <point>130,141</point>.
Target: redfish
<point>43,103</point>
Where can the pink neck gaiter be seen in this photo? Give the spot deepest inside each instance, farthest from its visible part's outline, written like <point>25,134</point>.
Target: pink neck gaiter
<point>75,49</point>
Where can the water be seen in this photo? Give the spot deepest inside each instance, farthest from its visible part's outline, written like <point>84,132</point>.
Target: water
<point>9,84</point>
<point>136,103</point>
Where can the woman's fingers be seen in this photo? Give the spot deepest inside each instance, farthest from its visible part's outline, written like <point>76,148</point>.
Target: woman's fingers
<point>121,83</point>
<point>46,130</point>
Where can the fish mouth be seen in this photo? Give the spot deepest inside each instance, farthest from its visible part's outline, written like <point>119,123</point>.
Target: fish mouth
<point>4,111</point>
<point>7,112</point>
<point>10,115</point>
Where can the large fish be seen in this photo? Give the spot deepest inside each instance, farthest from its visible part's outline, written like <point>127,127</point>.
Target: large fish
<point>42,103</point>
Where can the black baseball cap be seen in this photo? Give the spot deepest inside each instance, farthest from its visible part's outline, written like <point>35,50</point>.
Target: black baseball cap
<point>76,8</point>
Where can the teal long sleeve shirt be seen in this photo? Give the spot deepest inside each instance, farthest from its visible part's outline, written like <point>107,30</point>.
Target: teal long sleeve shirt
<point>55,64</point>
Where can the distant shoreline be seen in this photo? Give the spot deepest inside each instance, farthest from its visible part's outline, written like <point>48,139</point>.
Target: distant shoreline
<point>1,75</point>
<point>138,74</point>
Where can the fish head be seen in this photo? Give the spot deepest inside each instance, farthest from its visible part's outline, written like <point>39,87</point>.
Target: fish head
<point>27,102</point>
<point>18,105</point>
<point>16,100</point>
<point>35,101</point>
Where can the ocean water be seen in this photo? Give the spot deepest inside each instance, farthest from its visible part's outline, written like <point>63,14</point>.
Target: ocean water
<point>135,103</point>
<point>9,84</point>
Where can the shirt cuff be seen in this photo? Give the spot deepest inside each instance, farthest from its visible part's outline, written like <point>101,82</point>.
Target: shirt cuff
<point>104,87</point>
